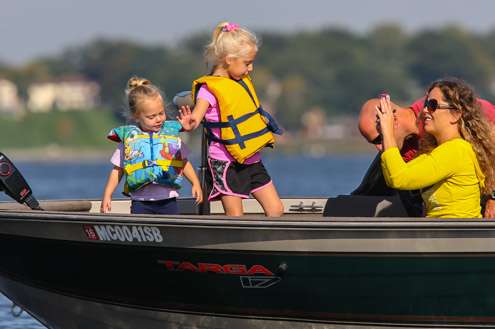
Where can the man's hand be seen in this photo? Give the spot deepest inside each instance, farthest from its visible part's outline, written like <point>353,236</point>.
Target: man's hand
<point>489,209</point>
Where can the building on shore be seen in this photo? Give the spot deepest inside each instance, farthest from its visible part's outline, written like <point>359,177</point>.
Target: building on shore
<point>67,93</point>
<point>10,102</point>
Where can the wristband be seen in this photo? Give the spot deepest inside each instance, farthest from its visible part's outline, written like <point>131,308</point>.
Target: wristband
<point>492,196</point>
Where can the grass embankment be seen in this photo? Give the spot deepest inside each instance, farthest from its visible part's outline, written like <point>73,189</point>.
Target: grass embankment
<point>76,131</point>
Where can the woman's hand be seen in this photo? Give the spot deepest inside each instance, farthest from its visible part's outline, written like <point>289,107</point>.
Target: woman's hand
<point>185,117</point>
<point>386,119</point>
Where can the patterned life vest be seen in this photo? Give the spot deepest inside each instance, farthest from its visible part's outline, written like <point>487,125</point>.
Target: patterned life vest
<point>245,128</point>
<point>150,157</point>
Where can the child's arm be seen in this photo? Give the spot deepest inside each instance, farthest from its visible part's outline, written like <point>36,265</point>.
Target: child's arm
<point>112,183</point>
<point>191,176</point>
<point>192,119</point>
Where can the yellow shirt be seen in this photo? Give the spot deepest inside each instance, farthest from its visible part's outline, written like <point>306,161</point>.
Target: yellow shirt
<point>450,177</point>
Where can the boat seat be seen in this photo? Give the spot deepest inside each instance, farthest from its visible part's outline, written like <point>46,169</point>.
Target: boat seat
<point>364,206</point>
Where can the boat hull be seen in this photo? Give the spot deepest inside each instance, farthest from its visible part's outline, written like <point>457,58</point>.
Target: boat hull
<point>60,311</point>
<point>247,273</point>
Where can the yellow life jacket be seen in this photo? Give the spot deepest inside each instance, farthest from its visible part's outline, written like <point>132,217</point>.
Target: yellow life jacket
<point>245,128</point>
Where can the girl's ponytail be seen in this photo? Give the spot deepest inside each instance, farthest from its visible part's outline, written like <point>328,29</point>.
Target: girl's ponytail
<point>139,89</point>
<point>228,39</point>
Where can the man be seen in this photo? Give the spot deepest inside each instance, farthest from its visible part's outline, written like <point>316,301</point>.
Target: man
<point>407,132</point>
<point>408,129</point>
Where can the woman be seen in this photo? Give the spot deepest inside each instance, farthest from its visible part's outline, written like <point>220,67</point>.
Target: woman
<point>457,152</point>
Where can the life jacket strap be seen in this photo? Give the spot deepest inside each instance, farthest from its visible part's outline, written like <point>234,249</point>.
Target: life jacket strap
<point>232,123</point>
<point>130,168</point>
<point>238,140</point>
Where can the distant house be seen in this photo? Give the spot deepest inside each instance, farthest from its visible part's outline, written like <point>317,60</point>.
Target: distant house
<point>66,94</point>
<point>9,99</point>
<point>313,122</point>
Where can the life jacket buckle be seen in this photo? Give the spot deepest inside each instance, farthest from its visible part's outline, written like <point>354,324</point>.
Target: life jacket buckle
<point>149,163</point>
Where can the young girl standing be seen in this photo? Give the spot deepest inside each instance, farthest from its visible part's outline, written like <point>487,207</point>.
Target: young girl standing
<point>150,154</point>
<point>237,127</point>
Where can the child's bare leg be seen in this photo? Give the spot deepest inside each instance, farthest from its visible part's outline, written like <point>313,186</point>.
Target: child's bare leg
<point>232,205</point>
<point>270,201</point>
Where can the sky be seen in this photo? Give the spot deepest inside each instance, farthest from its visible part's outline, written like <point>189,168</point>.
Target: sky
<point>34,28</point>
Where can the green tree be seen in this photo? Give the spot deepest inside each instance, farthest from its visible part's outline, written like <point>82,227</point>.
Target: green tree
<point>450,51</point>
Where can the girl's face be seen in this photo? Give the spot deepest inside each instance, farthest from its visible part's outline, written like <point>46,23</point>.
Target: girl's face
<point>238,67</point>
<point>439,115</point>
<point>151,114</point>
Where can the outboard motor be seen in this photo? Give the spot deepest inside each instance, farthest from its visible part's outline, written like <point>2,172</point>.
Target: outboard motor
<point>14,185</point>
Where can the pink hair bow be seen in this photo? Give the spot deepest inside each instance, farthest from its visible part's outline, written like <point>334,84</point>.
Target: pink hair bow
<point>229,27</point>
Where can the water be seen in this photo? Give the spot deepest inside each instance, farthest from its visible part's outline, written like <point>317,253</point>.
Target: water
<point>293,176</point>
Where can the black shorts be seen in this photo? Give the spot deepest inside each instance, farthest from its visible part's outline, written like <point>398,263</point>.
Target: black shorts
<point>232,178</point>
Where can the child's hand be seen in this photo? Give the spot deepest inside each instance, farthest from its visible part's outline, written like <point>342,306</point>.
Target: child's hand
<point>185,117</point>
<point>106,205</point>
<point>197,193</point>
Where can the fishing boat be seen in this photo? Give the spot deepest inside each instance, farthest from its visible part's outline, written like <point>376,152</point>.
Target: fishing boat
<point>342,262</point>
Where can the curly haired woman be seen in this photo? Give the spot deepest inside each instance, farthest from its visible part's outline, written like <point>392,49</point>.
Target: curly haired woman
<point>457,152</point>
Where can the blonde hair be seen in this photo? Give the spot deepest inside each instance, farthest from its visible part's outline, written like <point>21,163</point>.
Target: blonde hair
<point>228,39</point>
<point>472,125</point>
<point>138,90</point>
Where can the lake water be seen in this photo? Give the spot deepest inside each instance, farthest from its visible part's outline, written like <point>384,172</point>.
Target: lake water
<point>293,176</point>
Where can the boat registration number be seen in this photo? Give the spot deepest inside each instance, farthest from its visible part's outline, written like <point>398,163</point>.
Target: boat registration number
<point>123,233</point>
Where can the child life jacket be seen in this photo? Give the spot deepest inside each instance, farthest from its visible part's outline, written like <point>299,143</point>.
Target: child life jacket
<point>150,157</point>
<point>245,128</point>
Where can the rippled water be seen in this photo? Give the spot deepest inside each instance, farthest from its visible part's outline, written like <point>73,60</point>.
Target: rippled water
<point>293,176</point>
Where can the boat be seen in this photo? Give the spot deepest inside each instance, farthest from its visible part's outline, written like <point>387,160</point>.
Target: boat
<point>344,262</point>
<point>72,267</point>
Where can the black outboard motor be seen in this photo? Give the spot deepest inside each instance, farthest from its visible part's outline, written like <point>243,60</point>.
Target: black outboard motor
<point>14,185</point>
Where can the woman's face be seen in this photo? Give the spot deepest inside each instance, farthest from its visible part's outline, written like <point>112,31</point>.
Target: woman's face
<point>438,115</point>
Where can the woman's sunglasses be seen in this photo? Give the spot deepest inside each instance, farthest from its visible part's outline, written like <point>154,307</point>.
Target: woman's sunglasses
<point>432,105</point>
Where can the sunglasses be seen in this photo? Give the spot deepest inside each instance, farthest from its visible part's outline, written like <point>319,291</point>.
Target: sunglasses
<point>378,140</point>
<point>432,105</point>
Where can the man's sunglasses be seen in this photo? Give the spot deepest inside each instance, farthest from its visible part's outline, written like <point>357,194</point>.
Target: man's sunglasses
<point>378,140</point>
<point>432,105</point>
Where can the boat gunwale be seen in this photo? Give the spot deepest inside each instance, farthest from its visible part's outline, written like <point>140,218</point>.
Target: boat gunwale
<point>291,221</point>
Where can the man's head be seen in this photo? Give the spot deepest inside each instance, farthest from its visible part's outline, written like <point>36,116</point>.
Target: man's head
<point>368,125</point>
<point>405,123</point>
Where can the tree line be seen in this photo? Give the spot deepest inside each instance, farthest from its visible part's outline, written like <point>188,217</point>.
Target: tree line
<point>333,68</point>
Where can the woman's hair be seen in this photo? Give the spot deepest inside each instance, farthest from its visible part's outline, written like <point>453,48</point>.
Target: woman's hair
<point>229,39</point>
<point>138,90</point>
<point>472,125</point>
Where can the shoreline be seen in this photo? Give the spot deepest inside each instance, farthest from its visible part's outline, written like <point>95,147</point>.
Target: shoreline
<point>58,154</point>
<point>54,153</point>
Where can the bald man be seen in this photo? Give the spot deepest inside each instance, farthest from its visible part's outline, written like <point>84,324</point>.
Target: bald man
<point>408,128</point>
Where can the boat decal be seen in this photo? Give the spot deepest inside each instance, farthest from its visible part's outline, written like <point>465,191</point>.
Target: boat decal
<point>123,233</point>
<point>254,276</point>
<point>259,281</point>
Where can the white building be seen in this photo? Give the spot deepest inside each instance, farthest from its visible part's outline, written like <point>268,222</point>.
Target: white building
<point>9,100</point>
<point>65,94</point>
